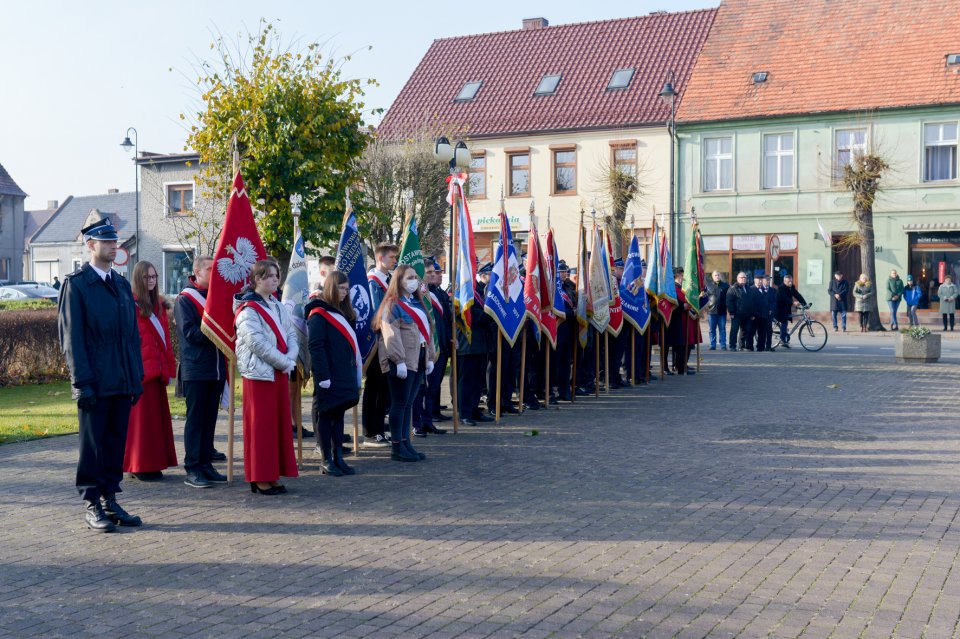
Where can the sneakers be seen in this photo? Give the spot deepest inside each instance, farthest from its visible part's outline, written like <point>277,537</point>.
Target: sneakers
<point>212,475</point>
<point>197,480</point>
<point>376,442</point>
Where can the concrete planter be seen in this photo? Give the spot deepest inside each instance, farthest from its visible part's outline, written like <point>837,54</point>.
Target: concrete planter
<point>908,349</point>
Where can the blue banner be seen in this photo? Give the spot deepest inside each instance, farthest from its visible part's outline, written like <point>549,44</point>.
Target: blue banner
<point>633,295</point>
<point>350,261</point>
<point>504,296</point>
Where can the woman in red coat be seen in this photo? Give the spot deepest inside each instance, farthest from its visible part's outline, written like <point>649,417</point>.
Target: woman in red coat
<point>150,447</point>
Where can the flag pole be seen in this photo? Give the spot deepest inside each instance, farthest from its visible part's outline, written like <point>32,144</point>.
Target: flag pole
<point>506,296</point>
<point>231,412</point>
<point>633,354</point>
<point>454,285</point>
<point>546,375</point>
<point>295,381</point>
<point>356,432</point>
<point>497,389</point>
<point>606,360</point>
<point>596,366</point>
<point>523,364</point>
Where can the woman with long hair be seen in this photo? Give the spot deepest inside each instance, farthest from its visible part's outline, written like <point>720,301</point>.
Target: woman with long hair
<point>150,449</point>
<point>266,350</point>
<point>336,366</point>
<point>406,353</point>
<point>863,290</point>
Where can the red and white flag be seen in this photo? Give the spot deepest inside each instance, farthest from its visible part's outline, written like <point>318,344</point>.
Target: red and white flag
<point>238,250</point>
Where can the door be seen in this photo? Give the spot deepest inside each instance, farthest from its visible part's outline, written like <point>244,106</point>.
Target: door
<point>846,259</point>
<point>784,266</point>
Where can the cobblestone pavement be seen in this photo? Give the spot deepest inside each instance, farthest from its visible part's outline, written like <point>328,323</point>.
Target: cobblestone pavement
<point>775,494</point>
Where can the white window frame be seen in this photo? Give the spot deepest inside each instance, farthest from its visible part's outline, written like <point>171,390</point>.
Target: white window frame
<point>719,158</point>
<point>923,153</point>
<point>837,168</point>
<point>779,153</point>
<point>166,204</point>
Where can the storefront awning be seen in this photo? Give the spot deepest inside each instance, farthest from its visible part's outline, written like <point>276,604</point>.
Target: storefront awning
<point>939,226</point>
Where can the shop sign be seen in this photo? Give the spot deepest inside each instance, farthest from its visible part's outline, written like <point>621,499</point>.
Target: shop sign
<point>749,242</point>
<point>788,242</point>
<point>492,223</point>
<point>716,243</point>
<point>940,237</point>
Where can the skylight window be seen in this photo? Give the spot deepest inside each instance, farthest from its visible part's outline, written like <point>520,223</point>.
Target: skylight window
<point>621,78</point>
<point>468,92</point>
<point>953,59</point>
<point>759,76</point>
<point>548,85</point>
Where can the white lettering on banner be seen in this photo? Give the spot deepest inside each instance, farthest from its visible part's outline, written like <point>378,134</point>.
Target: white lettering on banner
<point>749,242</point>
<point>493,223</point>
<point>716,242</point>
<point>788,242</point>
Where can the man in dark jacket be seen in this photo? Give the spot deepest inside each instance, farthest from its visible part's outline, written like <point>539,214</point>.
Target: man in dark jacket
<point>740,307</point>
<point>566,333</point>
<point>717,311</point>
<point>786,294</point>
<point>767,304</point>
<point>838,290</point>
<point>99,337</point>
<point>202,373</point>
<point>444,320</point>
<point>472,360</point>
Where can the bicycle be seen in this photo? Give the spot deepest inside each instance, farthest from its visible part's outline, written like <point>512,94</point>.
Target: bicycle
<point>811,333</point>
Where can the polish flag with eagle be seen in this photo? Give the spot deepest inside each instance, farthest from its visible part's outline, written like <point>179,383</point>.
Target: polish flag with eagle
<point>238,250</point>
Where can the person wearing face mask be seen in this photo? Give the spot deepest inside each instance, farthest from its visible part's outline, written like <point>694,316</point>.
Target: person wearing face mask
<point>406,355</point>
<point>266,347</point>
<point>336,367</point>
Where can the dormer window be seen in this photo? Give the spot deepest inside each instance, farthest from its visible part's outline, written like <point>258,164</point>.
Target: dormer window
<point>953,59</point>
<point>548,85</point>
<point>759,77</point>
<point>468,92</point>
<point>621,78</point>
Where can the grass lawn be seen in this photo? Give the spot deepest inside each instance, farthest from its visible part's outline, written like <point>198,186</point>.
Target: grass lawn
<point>42,410</point>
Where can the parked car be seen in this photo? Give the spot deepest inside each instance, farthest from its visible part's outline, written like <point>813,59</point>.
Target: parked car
<point>28,292</point>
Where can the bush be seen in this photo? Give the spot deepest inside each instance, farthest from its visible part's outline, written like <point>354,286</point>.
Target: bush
<point>30,346</point>
<point>20,305</point>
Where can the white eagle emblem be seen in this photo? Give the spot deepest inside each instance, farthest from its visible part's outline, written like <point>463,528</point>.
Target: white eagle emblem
<point>236,269</point>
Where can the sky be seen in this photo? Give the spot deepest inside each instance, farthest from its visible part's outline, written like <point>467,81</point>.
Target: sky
<point>77,75</point>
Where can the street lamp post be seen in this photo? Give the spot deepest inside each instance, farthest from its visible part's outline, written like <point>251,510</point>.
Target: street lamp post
<point>127,145</point>
<point>669,95</point>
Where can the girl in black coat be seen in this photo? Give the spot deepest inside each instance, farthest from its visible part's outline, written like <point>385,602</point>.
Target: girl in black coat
<point>336,367</point>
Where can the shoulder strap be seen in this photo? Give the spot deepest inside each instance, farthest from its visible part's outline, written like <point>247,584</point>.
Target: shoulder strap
<point>281,343</point>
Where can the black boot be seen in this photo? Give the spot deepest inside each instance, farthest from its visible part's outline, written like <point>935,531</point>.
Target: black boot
<point>96,519</point>
<point>342,464</point>
<point>328,466</point>
<point>401,454</point>
<point>410,450</point>
<point>117,514</point>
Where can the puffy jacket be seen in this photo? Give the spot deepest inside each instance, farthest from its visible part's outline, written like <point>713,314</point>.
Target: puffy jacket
<point>200,360</point>
<point>99,336</point>
<point>912,295</point>
<point>331,358</point>
<point>257,354</point>
<point>156,352</point>
<point>894,289</point>
<point>399,339</point>
<point>862,292</point>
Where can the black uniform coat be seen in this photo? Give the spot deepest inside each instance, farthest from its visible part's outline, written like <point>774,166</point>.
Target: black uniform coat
<point>331,358</point>
<point>99,336</point>
<point>785,296</point>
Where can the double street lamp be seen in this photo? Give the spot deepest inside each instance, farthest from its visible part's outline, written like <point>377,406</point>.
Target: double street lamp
<point>669,95</point>
<point>127,146</point>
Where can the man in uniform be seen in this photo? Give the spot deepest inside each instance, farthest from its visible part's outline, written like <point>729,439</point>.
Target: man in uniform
<point>376,393</point>
<point>99,337</point>
<point>443,316</point>
<point>566,333</point>
<point>472,355</point>
<point>740,307</point>
<point>202,373</point>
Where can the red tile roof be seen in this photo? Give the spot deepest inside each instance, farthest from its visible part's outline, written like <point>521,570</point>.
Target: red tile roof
<point>824,55</point>
<point>511,64</point>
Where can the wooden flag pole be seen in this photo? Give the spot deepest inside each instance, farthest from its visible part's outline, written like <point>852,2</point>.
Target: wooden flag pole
<point>633,354</point>
<point>663,352</point>
<point>497,389</point>
<point>647,351</point>
<point>523,365</point>
<point>454,286</point>
<point>573,370</point>
<point>356,432</point>
<point>231,413</point>
<point>606,360</point>
<point>546,374</point>
<point>596,366</point>
<point>295,399</point>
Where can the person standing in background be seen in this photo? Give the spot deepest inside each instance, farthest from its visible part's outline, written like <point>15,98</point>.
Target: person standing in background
<point>894,295</point>
<point>948,300</point>
<point>911,296</point>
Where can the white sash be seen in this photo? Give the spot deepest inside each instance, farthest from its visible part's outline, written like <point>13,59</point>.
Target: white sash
<point>342,321</point>
<point>159,327</point>
<point>423,318</point>
<point>380,278</point>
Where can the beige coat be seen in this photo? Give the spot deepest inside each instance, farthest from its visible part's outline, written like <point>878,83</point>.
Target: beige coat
<point>399,341</point>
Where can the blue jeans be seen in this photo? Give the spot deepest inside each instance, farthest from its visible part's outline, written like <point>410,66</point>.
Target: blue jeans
<point>843,317</point>
<point>912,315</point>
<point>717,322</point>
<point>894,305</point>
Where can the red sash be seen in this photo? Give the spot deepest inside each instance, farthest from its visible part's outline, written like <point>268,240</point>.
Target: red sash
<point>333,320</point>
<point>194,296</point>
<point>424,331</point>
<point>436,304</point>
<point>376,278</point>
<point>281,343</point>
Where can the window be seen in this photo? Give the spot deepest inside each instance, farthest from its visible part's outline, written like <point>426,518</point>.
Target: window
<point>179,199</point>
<point>477,181</point>
<point>468,92</point>
<point>850,144</point>
<point>940,151</point>
<point>621,79</point>
<point>548,85</point>
<point>625,160</point>
<point>519,173</point>
<point>778,161</point>
<point>718,164</point>
<point>564,171</point>
<point>177,266</point>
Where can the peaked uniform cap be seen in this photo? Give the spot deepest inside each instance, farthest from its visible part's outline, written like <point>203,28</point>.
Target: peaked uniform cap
<point>100,230</point>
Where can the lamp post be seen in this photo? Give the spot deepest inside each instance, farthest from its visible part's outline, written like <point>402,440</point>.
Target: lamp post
<point>669,95</point>
<point>127,145</point>
<point>454,155</point>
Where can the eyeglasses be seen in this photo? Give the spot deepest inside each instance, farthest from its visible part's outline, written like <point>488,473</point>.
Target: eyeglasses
<point>150,277</point>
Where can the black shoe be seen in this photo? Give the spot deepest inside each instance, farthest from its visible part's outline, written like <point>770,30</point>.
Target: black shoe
<point>532,405</point>
<point>442,407</point>
<point>117,514</point>
<point>211,474</point>
<point>401,454</point>
<point>691,372</point>
<point>197,480</point>
<point>438,417</point>
<point>468,422</point>
<point>152,476</point>
<point>341,463</point>
<point>329,467</point>
<point>483,417</point>
<point>306,433</point>
<point>347,438</point>
<point>668,372</point>
<point>582,392</point>
<point>419,431</point>
<point>565,397</point>
<point>218,456</point>
<point>509,409</point>
<point>96,519</point>
<point>411,450</point>
<point>433,430</point>
<point>273,490</point>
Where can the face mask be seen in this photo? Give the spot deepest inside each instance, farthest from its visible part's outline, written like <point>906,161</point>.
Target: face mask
<point>411,286</point>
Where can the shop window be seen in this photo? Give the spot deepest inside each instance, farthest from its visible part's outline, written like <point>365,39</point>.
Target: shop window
<point>477,183</point>
<point>179,200</point>
<point>519,173</point>
<point>778,161</point>
<point>177,266</point>
<point>849,144</point>
<point>564,172</point>
<point>940,151</point>
<point>718,164</point>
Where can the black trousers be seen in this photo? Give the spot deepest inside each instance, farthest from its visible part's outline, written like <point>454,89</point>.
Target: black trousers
<point>470,369</point>
<point>203,403</point>
<point>434,384</point>
<point>328,429</point>
<point>741,332</point>
<point>376,400</point>
<point>586,362</point>
<point>619,347</point>
<point>563,358</point>
<point>103,439</point>
<point>403,392</point>
<point>509,369</point>
<point>762,330</point>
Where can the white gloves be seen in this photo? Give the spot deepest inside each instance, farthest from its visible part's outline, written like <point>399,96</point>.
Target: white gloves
<point>402,370</point>
<point>290,367</point>
<point>324,384</point>
<point>429,367</point>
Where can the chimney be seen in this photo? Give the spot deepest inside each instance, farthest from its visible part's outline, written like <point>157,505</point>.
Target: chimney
<point>532,24</point>
<point>112,191</point>
<point>53,204</point>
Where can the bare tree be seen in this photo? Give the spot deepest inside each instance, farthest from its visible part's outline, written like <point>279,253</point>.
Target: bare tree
<point>618,188</point>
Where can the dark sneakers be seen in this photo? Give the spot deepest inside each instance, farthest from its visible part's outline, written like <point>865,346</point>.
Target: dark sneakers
<point>197,480</point>
<point>211,474</point>
<point>218,456</point>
